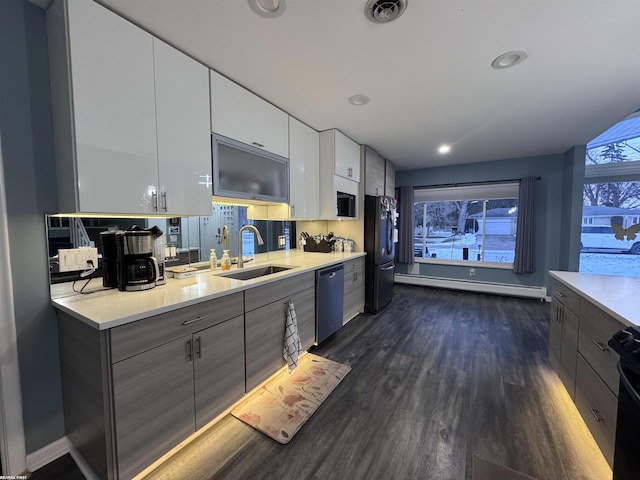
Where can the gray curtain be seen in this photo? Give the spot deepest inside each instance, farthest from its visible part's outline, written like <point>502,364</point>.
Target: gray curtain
<point>404,247</point>
<point>525,254</point>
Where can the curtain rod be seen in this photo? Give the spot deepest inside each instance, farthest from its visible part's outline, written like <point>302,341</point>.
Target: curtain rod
<point>465,184</point>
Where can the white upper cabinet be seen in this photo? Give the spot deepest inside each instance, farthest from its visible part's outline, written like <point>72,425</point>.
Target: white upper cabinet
<point>107,134</point>
<point>343,152</point>
<point>110,111</point>
<point>304,167</point>
<point>336,151</point>
<point>184,139</point>
<point>238,114</point>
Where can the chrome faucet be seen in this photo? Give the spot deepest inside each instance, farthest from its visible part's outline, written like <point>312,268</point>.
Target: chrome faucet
<point>225,237</point>
<point>259,237</point>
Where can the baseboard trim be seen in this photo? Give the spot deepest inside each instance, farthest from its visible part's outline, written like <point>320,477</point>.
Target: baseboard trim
<point>48,454</point>
<point>473,286</point>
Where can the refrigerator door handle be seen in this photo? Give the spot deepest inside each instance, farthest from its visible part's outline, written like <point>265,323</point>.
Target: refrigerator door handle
<point>390,267</point>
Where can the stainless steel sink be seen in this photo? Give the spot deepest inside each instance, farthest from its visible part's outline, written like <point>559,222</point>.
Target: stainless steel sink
<point>249,273</point>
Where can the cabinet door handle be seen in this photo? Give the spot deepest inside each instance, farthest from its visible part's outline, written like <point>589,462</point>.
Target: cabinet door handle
<point>164,201</point>
<point>189,350</point>
<point>154,201</point>
<point>258,144</point>
<point>199,347</point>
<point>193,320</point>
<point>599,345</point>
<point>595,413</point>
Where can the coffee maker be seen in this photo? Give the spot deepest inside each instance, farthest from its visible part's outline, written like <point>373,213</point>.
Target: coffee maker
<point>137,267</point>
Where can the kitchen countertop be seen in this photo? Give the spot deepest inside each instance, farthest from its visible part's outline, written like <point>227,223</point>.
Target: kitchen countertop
<point>107,308</point>
<point>614,294</point>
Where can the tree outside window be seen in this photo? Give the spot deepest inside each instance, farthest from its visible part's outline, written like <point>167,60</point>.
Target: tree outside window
<point>610,235</point>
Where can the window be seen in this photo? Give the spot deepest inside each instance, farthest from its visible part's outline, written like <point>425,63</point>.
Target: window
<point>611,202</point>
<point>466,223</point>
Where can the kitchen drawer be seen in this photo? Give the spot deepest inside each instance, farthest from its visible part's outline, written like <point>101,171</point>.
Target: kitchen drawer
<point>136,337</point>
<point>353,265</point>
<point>596,328</point>
<point>566,296</point>
<point>259,296</point>
<point>598,407</point>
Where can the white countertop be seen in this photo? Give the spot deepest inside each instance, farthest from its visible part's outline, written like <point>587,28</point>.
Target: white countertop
<point>107,308</point>
<point>616,295</point>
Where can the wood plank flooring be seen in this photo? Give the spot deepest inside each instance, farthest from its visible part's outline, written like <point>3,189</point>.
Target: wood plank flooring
<point>437,377</point>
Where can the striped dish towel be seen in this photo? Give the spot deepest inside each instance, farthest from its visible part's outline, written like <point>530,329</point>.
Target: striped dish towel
<point>292,346</point>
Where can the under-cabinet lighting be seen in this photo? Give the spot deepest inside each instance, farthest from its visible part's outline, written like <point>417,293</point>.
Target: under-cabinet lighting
<point>229,202</point>
<point>109,215</point>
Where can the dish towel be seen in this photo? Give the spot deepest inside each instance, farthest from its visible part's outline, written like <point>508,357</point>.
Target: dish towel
<point>292,346</point>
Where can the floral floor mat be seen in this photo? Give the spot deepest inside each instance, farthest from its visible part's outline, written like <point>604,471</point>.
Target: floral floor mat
<point>281,407</point>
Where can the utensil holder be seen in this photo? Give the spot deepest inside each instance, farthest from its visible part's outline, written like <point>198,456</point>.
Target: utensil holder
<point>312,246</point>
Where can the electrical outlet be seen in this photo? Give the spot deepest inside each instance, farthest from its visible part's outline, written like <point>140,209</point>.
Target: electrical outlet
<point>472,272</point>
<point>72,259</point>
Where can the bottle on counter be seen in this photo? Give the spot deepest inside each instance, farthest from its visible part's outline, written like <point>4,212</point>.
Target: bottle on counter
<point>213,259</point>
<point>225,263</point>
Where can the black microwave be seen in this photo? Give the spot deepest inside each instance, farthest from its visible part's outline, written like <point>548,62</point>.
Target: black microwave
<point>346,204</point>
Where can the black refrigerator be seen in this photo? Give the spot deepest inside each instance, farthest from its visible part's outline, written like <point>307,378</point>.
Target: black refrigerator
<point>379,243</point>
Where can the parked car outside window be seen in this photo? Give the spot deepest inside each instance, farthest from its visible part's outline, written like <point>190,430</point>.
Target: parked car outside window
<point>603,238</point>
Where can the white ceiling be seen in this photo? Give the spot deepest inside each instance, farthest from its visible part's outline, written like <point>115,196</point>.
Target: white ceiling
<point>428,73</point>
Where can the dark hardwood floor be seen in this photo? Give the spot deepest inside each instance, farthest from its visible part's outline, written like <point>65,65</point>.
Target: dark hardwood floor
<point>437,378</point>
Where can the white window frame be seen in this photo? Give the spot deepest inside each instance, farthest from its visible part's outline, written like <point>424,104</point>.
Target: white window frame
<point>479,192</point>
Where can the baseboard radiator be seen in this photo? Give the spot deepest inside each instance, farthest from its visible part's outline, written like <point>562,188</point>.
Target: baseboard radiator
<point>473,286</point>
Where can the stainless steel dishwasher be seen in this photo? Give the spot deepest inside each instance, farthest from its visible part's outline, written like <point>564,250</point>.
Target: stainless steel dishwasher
<point>329,301</point>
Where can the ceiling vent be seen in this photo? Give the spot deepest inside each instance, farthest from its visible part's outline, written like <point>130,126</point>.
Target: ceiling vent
<point>384,11</point>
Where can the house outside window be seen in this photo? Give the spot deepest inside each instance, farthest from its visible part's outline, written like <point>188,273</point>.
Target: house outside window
<point>610,234</point>
<point>474,223</point>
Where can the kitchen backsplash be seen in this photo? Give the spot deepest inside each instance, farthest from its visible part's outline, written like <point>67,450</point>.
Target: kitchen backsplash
<point>188,239</point>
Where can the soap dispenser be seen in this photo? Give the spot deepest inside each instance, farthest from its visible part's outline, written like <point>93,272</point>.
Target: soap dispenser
<point>225,263</point>
<point>213,259</point>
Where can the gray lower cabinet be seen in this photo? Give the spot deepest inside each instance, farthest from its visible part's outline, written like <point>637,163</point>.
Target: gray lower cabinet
<point>265,324</point>
<point>555,333</point>
<point>578,351</point>
<point>133,392</point>
<point>353,288</point>
<point>598,406</point>
<point>563,335</point>
<point>218,369</point>
<point>153,404</point>
<point>165,394</point>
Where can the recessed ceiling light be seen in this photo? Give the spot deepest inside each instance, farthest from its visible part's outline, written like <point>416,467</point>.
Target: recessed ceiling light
<point>268,8</point>
<point>444,149</point>
<point>509,59</point>
<point>359,99</point>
